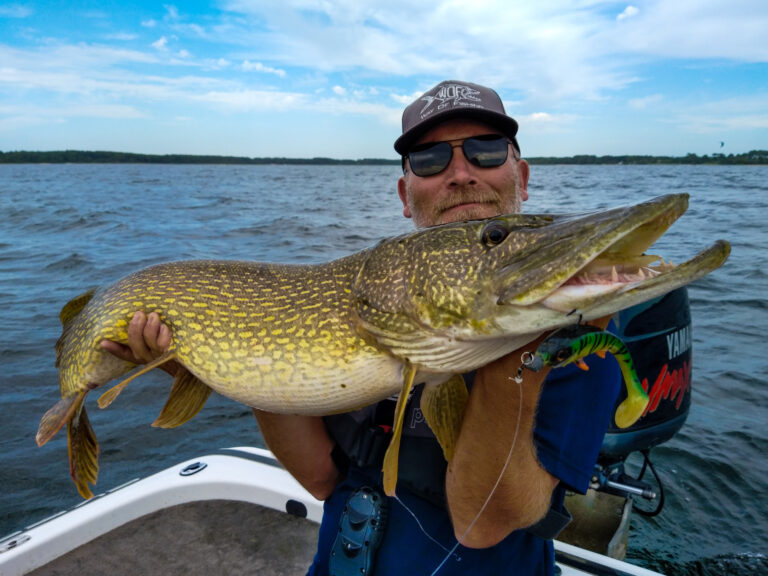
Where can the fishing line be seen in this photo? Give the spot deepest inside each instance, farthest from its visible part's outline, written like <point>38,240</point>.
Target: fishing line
<point>423,530</point>
<point>518,379</point>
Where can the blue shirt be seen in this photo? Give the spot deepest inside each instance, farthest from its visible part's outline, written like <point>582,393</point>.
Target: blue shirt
<point>574,410</point>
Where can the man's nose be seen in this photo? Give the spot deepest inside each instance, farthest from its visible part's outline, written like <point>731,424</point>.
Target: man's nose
<point>460,170</point>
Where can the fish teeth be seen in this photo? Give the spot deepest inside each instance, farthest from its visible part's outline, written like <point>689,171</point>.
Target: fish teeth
<point>614,274</point>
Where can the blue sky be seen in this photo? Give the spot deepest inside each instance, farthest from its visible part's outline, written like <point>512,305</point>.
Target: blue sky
<point>305,78</point>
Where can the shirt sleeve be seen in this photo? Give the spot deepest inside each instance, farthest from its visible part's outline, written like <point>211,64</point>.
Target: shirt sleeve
<point>574,411</point>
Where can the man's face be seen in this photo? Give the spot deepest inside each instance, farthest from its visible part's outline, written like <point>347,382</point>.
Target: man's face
<point>463,191</point>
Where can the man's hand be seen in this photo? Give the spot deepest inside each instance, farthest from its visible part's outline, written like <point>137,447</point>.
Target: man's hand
<point>148,338</point>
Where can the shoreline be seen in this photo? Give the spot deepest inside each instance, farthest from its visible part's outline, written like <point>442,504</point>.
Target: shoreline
<point>754,157</point>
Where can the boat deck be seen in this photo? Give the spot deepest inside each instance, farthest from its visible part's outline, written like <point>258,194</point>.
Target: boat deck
<point>209,537</point>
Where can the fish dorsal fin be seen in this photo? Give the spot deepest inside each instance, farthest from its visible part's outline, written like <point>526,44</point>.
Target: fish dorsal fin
<point>68,313</point>
<point>109,396</point>
<point>83,452</point>
<point>391,457</point>
<point>443,407</point>
<point>72,308</point>
<point>187,397</point>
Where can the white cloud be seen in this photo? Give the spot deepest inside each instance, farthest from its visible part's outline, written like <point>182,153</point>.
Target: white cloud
<point>259,67</point>
<point>645,102</point>
<point>629,12</point>
<point>550,60</point>
<point>121,36</point>
<point>15,11</point>
<point>260,100</point>
<point>161,43</point>
<point>740,113</point>
<point>540,122</point>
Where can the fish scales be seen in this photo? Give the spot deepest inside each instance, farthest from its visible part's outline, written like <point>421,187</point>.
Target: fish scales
<point>320,339</point>
<point>288,331</point>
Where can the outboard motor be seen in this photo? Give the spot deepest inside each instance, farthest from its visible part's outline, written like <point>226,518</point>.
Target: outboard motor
<point>658,335</point>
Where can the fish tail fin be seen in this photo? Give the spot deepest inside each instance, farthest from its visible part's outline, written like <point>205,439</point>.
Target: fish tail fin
<point>60,414</point>
<point>110,395</point>
<point>83,452</point>
<point>187,397</point>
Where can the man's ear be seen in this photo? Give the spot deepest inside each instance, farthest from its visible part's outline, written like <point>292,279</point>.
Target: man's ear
<point>525,172</point>
<point>403,197</point>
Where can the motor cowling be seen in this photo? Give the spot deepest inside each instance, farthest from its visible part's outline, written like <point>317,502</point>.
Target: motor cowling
<point>658,336</point>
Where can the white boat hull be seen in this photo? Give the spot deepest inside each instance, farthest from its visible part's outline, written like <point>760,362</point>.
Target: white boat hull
<point>242,474</point>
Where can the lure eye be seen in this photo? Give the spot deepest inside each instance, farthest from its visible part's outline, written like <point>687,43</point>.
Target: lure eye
<point>562,355</point>
<point>494,234</point>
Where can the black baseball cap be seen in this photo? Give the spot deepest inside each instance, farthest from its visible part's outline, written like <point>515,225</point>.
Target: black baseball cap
<point>454,99</point>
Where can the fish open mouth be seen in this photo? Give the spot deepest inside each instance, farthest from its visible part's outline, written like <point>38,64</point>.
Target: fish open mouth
<point>589,259</point>
<point>601,277</point>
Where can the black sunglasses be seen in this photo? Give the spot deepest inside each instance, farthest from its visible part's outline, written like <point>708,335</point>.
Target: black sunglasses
<point>486,151</point>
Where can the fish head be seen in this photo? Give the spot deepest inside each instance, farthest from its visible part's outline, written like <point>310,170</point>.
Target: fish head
<point>519,275</point>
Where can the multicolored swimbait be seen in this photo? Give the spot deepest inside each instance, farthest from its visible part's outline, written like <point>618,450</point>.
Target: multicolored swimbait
<point>573,343</point>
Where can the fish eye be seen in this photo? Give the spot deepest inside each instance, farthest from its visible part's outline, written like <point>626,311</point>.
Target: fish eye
<point>494,233</point>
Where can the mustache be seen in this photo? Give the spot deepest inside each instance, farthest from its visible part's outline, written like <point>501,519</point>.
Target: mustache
<point>467,197</point>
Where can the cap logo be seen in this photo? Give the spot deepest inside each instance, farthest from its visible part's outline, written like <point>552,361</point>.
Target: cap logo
<point>450,95</point>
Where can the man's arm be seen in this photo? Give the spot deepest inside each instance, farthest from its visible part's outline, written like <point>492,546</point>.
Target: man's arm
<point>488,430</point>
<point>300,443</point>
<point>303,446</point>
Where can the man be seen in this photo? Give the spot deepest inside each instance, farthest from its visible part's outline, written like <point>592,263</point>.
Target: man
<point>461,161</point>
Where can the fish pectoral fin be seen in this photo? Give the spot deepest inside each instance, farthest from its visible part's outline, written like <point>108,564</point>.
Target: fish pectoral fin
<point>83,452</point>
<point>391,457</point>
<point>443,407</point>
<point>110,395</point>
<point>187,397</point>
<point>57,416</point>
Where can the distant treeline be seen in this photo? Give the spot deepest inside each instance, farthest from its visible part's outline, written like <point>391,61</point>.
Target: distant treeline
<point>102,157</point>
<point>752,157</point>
<point>99,157</point>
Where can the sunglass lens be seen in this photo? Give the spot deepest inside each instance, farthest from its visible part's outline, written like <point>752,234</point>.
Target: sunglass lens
<point>431,160</point>
<point>486,152</point>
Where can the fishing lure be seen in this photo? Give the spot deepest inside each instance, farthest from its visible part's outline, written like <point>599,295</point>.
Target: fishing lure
<point>572,344</point>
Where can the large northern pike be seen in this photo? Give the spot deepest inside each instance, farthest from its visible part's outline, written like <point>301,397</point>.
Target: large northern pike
<point>328,338</point>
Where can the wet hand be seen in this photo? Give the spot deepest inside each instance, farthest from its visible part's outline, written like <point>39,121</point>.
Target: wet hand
<point>148,338</point>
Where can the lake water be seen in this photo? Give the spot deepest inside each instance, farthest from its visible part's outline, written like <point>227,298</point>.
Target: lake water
<point>67,228</point>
